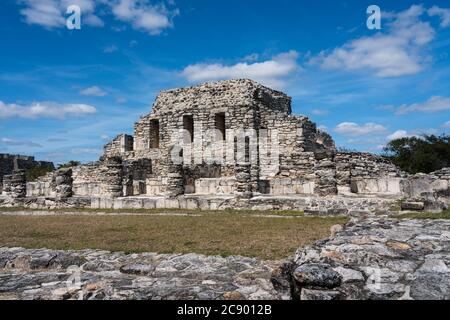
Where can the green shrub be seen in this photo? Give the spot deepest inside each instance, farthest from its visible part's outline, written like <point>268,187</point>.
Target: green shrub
<point>37,171</point>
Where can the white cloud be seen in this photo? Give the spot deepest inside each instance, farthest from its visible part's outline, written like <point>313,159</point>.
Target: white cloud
<point>78,151</point>
<point>93,91</point>
<point>354,129</point>
<point>398,135</point>
<point>442,13</point>
<point>319,112</point>
<point>121,100</point>
<point>376,148</point>
<point>15,142</point>
<point>44,109</point>
<point>398,52</point>
<point>251,57</point>
<point>142,15</point>
<point>52,13</point>
<point>271,72</point>
<point>110,49</point>
<point>93,21</point>
<point>367,140</point>
<point>45,13</point>
<point>446,125</point>
<point>434,104</point>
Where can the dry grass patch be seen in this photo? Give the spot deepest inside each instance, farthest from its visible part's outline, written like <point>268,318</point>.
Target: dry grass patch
<point>212,234</point>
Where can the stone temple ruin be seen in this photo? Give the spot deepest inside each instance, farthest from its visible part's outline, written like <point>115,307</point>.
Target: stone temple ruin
<point>233,144</point>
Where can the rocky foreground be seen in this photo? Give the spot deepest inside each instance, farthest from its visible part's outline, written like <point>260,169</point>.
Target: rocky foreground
<point>376,258</point>
<point>95,274</point>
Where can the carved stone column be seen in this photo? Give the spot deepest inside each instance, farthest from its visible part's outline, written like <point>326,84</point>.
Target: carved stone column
<point>175,182</point>
<point>325,171</point>
<point>243,186</point>
<point>62,183</point>
<point>113,177</point>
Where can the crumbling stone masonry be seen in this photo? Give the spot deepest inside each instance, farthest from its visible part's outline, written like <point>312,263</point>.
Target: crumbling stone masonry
<point>62,183</point>
<point>236,143</point>
<point>252,114</point>
<point>9,163</point>
<point>14,185</point>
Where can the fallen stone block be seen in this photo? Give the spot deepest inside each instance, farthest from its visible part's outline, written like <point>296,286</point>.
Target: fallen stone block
<point>415,206</point>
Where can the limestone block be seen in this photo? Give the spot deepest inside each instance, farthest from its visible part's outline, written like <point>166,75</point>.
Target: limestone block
<point>148,203</point>
<point>409,205</point>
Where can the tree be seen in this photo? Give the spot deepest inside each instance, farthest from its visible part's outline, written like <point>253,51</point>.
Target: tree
<point>425,154</point>
<point>69,164</point>
<point>37,171</point>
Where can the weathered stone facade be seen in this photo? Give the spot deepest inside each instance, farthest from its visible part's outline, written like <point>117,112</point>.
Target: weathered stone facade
<point>236,143</point>
<point>251,114</point>
<point>14,185</point>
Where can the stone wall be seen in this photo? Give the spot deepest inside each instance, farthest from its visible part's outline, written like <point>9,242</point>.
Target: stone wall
<point>427,191</point>
<point>42,187</point>
<point>94,179</point>
<point>367,173</point>
<point>14,185</point>
<point>87,179</point>
<point>119,145</point>
<point>57,184</point>
<point>9,163</point>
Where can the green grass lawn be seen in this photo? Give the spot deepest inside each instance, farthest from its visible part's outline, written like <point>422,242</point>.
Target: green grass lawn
<point>226,233</point>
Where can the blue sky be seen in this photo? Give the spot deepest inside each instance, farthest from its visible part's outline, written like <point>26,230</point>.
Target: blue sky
<point>64,93</point>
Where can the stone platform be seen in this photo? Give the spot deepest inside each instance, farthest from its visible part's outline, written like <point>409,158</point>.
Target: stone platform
<point>330,205</point>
